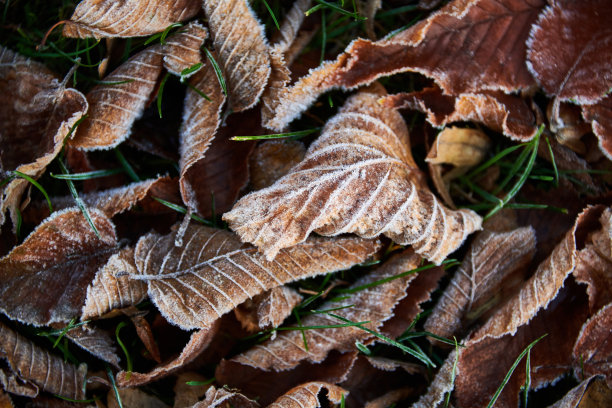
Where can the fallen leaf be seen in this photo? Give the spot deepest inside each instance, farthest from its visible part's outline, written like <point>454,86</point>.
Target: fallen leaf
<point>36,366</point>
<point>239,40</point>
<point>374,304</point>
<point>96,342</point>
<point>182,50</point>
<point>187,395</point>
<point>5,400</point>
<point>44,278</point>
<point>460,147</point>
<point>214,272</point>
<point>119,101</point>
<point>568,126</point>
<point>442,384</point>
<point>590,393</point>
<point>593,350</point>
<point>368,9</point>
<point>134,398</point>
<point>143,330</point>
<point>599,115</point>
<point>13,384</point>
<point>37,113</point>
<point>307,396</point>
<point>572,63</point>
<point>273,159</point>
<point>126,18</point>
<point>358,177</point>
<point>267,310</point>
<point>290,26</point>
<point>220,397</point>
<point>390,398</point>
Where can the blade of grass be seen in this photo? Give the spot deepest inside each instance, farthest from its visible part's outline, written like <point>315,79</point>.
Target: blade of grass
<point>109,373</point>
<point>88,175</point>
<point>554,162</point>
<point>217,69</point>
<point>323,36</point>
<point>515,167</point>
<point>338,9</point>
<point>299,322</point>
<point>201,383</point>
<point>271,14</point>
<point>182,210</point>
<point>35,184</point>
<point>453,374</point>
<point>126,165</point>
<point>494,160</point>
<point>196,90</point>
<point>190,70</point>
<point>160,93</point>
<point>527,385</point>
<point>296,134</point>
<point>128,358</point>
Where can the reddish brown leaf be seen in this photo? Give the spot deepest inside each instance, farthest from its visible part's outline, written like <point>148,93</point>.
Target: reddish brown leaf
<point>239,40</point>
<point>182,50</point>
<point>358,177</point>
<point>590,393</point>
<point>593,350</point>
<point>37,114</point>
<point>143,330</point>
<point>44,278</point>
<point>273,159</point>
<point>600,115</point>
<point>39,368</point>
<point>119,101</point>
<point>220,397</point>
<point>307,396</point>
<point>95,341</point>
<point>573,63</point>
<point>214,272</point>
<point>127,18</point>
<point>268,309</point>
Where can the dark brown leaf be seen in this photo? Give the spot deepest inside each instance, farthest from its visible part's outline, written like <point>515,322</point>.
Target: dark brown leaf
<point>96,342</point>
<point>600,115</point>
<point>143,330</point>
<point>593,350</point>
<point>187,395</point>
<point>267,310</point>
<point>307,396</point>
<point>590,393</point>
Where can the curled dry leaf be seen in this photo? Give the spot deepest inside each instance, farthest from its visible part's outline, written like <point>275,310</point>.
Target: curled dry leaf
<point>268,309</point>
<point>127,18</point>
<point>36,366</point>
<point>95,341</point>
<point>37,113</point>
<point>182,50</point>
<point>358,177</point>
<point>214,272</point>
<point>307,396</point>
<point>291,25</point>
<point>572,64</point>
<point>374,304</point>
<point>600,114</point>
<point>568,126</point>
<point>220,397</point>
<point>273,159</point>
<point>466,46</point>
<point>239,40</point>
<point>590,393</point>
<point>119,101</point>
<point>507,114</point>
<point>459,147</point>
<point>199,340</point>
<point>492,260</point>
<point>134,398</point>
<point>44,278</point>
<point>143,330</point>
<point>593,350</point>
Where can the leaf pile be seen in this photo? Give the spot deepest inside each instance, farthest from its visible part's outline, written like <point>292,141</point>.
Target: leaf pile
<point>429,225</point>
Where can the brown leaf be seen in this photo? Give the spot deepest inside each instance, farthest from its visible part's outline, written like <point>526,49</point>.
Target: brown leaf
<point>442,384</point>
<point>96,342</point>
<point>5,400</point>
<point>600,114</point>
<point>593,350</point>
<point>182,50</point>
<point>143,330</point>
<point>390,398</point>
<point>126,18</point>
<point>492,260</point>
<point>199,340</point>
<point>307,396</point>
<point>467,46</point>
<point>44,278</point>
<point>39,368</point>
<point>220,397</point>
<point>373,304</point>
<point>119,101</point>
<point>134,398</point>
<point>460,147</point>
<point>214,272</point>
<point>590,393</point>
<point>507,114</point>
<point>291,25</point>
<point>572,63</point>
<point>186,395</point>
<point>273,159</point>
<point>267,310</point>
<point>37,114</point>
<point>239,40</point>
<point>13,384</point>
<point>358,177</point>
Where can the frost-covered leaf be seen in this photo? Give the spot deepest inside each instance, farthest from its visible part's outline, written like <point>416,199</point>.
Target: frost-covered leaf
<point>573,63</point>
<point>182,50</point>
<point>38,367</point>
<point>268,309</point>
<point>143,330</point>
<point>291,25</point>
<point>273,159</point>
<point>239,40</point>
<point>600,116</point>
<point>220,397</point>
<point>593,350</point>
<point>37,113</point>
<point>358,177</point>
<point>195,284</point>
<point>117,102</point>
<point>44,278</point>
<point>590,393</point>
<point>127,18</point>
<point>308,396</point>
<point>441,385</point>
<point>95,341</point>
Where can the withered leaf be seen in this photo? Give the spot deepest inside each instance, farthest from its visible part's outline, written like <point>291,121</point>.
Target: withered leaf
<point>590,393</point>
<point>307,396</point>
<point>127,18</point>
<point>466,46</point>
<point>119,101</point>
<point>374,304</point>
<point>459,146</point>
<point>40,368</point>
<point>5,400</point>
<point>268,309</point>
<point>134,398</point>
<point>143,330</point>
<point>95,341</point>
<point>593,350</point>
<point>273,159</point>
<point>600,114</point>
<point>239,40</point>
<point>214,272</point>
<point>572,63</point>
<point>291,25</point>
<point>358,177</point>
<point>37,114</point>
<point>507,114</point>
<point>182,50</point>
<point>492,259</point>
<point>13,384</point>
<point>220,397</point>
<point>44,278</point>
<point>441,385</point>
<point>199,340</point>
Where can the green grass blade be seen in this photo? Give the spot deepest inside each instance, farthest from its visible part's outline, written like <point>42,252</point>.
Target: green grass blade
<point>554,162</point>
<point>160,93</point>
<point>217,70</point>
<point>514,168</point>
<point>35,184</point>
<point>339,9</point>
<point>88,175</point>
<point>296,134</point>
<point>196,90</point>
<point>78,200</point>
<point>109,373</point>
<point>200,383</point>
<point>271,14</point>
<point>323,36</point>
<point>453,374</point>
<point>126,165</point>
<point>299,322</point>
<point>128,358</point>
<point>494,160</point>
<point>190,70</point>
<point>527,385</point>
<point>182,210</point>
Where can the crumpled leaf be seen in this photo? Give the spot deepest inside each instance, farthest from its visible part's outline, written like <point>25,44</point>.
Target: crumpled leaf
<point>182,50</point>
<point>126,18</point>
<point>96,342</point>
<point>572,63</point>
<point>307,396</point>
<point>37,113</point>
<point>593,350</point>
<point>214,272</point>
<point>239,40</point>
<point>358,177</point>
<point>199,340</point>
<point>44,278</point>
<point>374,304</point>
<point>40,368</point>
<point>466,46</point>
<point>273,159</point>
<point>492,259</point>
<point>143,330</point>
<point>568,126</point>
<point>600,114</point>
<point>267,310</point>
<point>507,114</point>
<point>119,101</point>
<point>134,398</point>
<point>220,397</point>
<point>590,393</point>
<point>459,146</point>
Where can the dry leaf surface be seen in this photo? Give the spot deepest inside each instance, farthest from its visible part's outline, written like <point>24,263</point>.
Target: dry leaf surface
<point>268,309</point>
<point>220,397</point>
<point>134,398</point>
<point>273,159</point>
<point>590,393</point>
<point>593,350</point>
<point>95,341</point>
<point>182,50</point>
<point>307,396</point>
<point>600,114</point>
